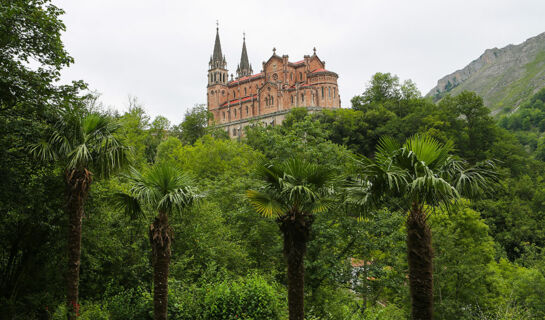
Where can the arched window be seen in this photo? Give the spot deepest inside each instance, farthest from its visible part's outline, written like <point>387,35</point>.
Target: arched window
<point>244,91</point>
<point>302,97</point>
<point>292,100</point>
<point>291,75</point>
<point>334,93</point>
<point>329,92</point>
<point>234,94</point>
<point>223,115</point>
<point>272,100</point>
<point>246,110</point>
<point>266,101</point>
<point>322,92</point>
<point>300,76</point>
<point>235,113</point>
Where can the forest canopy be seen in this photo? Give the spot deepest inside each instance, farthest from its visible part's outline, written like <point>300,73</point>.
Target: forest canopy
<point>226,261</point>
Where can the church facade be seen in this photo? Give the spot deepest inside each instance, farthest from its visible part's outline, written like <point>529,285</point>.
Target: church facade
<point>266,96</point>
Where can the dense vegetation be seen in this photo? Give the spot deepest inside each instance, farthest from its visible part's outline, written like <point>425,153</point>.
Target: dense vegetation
<point>225,260</point>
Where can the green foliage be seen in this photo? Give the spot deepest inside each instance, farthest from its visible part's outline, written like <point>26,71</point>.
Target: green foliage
<point>462,287</point>
<point>31,31</point>
<point>80,140</point>
<point>198,122</point>
<point>290,187</point>
<point>385,87</point>
<point>251,299</point>
<point>209,158</point>
<point>489,254</point>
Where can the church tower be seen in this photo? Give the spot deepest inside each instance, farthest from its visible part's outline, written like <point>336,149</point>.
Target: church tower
<point>244,68</point>
<point>217,77</point>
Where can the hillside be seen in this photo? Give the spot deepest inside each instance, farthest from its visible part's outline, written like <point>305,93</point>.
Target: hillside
<point>503,77</point>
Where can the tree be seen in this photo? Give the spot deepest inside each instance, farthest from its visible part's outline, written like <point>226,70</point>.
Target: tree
<point>423,175</point>
<point>30,32</point>
<point>196,124</point>
<point>163,189</point>
<point>385,88</point>
<point>293,192</point>
<point>82,144</point>
<point>470,124</point>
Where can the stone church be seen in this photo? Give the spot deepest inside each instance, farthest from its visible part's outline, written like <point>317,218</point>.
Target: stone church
<point>267,96</point>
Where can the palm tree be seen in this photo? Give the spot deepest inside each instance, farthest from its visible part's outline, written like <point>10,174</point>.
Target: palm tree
<point>162,189</point>
<point>423,175</point>
<point>293,192</point>
<point>82,143</point>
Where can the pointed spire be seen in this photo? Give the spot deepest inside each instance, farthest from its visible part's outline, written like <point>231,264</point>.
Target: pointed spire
<point>244,68</point>
<point>217,60</point>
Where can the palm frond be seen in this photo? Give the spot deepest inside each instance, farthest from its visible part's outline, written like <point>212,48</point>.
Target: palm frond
<point>43,151</point>
<point>475,180</point>
<point>79,157</point>
<point>428,150</point>
<point>264,204</point>
<point>129,204</point>
<point>294,183</point>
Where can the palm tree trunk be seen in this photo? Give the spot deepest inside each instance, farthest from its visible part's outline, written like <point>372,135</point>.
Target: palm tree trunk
<point>77,188</point>
<point>296,232</point>
<point>160,238</point>
<point>420,257</point>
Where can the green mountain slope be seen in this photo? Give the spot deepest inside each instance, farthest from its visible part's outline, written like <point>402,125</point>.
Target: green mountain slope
<point>503,77</point>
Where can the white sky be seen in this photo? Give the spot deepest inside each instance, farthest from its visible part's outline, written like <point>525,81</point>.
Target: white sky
<point>159,50</point>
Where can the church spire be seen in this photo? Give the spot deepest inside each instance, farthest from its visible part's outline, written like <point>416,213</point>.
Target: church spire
<point>244,68</point>
<point>217,60</point>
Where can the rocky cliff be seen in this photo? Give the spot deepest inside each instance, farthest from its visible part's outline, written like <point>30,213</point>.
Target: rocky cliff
<point>503,77</point>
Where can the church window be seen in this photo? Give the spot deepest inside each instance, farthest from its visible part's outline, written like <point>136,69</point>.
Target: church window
<point>244,91</point>
<point>267,101</point>
<point>291,75</point>
<point>329,92</point>
<point>272,100</point>
<point>302,97</point>
<point>292,100</point>
<point>322,92</point>
<point>333,92</point>
<point>246,110</point>
<point>300,76</point>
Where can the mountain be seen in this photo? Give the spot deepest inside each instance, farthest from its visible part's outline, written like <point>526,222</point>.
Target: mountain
<point>503,77</point>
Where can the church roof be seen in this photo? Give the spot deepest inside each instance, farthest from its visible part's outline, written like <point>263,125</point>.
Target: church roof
<point>246,78</point>
<point>239,100</point>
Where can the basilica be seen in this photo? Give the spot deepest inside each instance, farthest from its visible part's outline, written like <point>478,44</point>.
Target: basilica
<point>267,96</point>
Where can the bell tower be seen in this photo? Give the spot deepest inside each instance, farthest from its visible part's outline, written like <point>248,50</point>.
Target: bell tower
<point>217,78</point>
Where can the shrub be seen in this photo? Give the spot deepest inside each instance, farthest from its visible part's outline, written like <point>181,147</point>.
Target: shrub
<point>251,299</point>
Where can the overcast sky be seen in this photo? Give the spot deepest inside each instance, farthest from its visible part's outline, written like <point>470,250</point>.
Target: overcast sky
<point>159,50</point>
